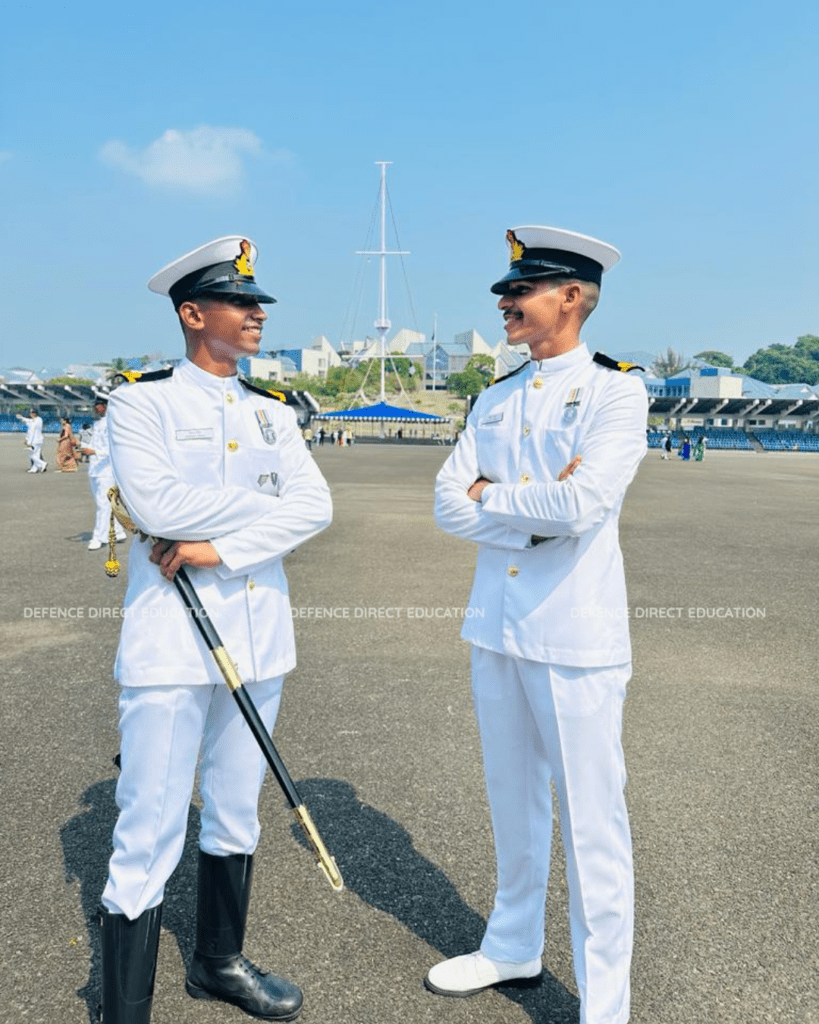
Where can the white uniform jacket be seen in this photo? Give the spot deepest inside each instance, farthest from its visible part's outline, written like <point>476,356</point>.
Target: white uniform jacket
<point>200,457</point>
<point>34,431</point>
<point>562,601</point>
<point>100,462</point>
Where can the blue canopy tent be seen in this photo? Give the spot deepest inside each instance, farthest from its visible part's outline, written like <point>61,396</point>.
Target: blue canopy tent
<point>384,412</point>
<point>381,413</point>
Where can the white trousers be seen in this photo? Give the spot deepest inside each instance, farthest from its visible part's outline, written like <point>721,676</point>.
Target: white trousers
<point>38,463</point>
<point>100,485</point>
<point>162,729</point>
<point>551,723</point>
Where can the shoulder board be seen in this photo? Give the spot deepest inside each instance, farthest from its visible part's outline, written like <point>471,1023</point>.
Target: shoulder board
<point>263,391</point>
<point>506,376</point>
<point>614,364</point>
<point>137,377</point>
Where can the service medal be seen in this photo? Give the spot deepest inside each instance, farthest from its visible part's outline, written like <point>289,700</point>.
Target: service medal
<point>571,406</point>
<point>266,427</point>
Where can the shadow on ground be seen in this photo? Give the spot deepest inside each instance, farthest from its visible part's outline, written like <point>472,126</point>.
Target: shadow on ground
<point>380,865</point>
<point>376,858</point>
<point>86,841</point>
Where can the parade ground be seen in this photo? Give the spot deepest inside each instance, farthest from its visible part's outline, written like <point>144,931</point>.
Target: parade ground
<point>377,730</point>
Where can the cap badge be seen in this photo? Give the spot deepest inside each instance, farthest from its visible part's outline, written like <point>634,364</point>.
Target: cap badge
<point>242,261</point>
<point>517,248</point>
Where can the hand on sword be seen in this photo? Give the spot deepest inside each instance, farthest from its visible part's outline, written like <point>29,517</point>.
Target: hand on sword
<point>176,554</point>
<point>171,555</point>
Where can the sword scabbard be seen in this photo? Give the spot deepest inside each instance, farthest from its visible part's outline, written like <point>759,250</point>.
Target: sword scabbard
<point>325,861</point>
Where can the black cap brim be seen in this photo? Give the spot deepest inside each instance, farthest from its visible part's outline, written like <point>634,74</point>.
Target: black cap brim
<point>541,263</point>
<point>249,288</point>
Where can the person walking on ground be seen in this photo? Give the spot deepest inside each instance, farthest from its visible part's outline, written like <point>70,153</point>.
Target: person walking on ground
<point>34,440</point>
<point>66,447</point>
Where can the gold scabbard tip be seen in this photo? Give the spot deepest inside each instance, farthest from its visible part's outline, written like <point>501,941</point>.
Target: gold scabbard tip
<point>112,567</point>
<point>325,861</point>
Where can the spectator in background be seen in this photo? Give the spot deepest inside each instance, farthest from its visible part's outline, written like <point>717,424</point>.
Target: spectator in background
<point>66,445</point>
<point>34,440</point>
<point>85,442</point>
<point>101,477</point>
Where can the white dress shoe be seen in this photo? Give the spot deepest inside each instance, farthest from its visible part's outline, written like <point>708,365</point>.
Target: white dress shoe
<point>94,545</point>
<point>465,975</point>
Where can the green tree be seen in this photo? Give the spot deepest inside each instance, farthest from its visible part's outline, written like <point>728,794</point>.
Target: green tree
<point>716,358</point>
<point>485,365</point>
<point>467,382</point>
<point>786,364</point>
<point>269,385</point>
<point>668,363</point>
<point>71,380</point>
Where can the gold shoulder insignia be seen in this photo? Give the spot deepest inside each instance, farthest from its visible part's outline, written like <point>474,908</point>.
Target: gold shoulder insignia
<point>138,377</point>
<point>282,397</point>
<point>615,364</point>
<point>506,376</point>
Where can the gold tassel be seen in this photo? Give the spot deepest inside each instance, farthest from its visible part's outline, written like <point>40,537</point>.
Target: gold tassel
<point>112,565</point>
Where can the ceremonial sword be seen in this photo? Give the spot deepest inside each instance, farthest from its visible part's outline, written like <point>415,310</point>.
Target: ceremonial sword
<point>214,644</point>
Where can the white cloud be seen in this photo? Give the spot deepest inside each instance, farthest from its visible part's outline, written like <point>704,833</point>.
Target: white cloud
<point>202,159</point>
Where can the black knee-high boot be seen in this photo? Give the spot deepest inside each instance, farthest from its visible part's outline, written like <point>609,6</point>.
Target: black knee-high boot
<point>218,969</point>
<point>129,951</point>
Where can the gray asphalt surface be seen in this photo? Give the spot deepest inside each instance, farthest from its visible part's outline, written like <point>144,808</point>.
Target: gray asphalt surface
<point>377,729</point>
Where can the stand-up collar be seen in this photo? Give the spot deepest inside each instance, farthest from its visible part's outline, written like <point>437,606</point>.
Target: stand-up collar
<point>572,359</point>
<point>191,373</point>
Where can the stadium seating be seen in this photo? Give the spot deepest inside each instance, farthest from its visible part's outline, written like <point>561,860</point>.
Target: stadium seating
<point>787,441</point>
<point>716,439</point>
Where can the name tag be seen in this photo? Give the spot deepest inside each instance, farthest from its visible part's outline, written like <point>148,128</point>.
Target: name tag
<point>198,434</point>
<point>494,418</point>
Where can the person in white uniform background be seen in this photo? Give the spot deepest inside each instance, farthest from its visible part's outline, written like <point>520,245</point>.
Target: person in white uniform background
<point>34,441</point>
<point>537,480</point>
<point>220,471</point>
<point>100,477</point>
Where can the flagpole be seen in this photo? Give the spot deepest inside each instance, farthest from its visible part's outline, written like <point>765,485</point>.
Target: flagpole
<point>434,353</point>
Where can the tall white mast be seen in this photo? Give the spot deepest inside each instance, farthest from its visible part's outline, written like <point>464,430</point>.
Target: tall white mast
<point>382,324</point>
<point>435,354</point>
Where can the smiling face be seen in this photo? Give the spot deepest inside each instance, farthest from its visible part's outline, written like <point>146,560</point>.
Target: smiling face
<point>228,327</point>
<point>532,315</point>
<point>545,314</point>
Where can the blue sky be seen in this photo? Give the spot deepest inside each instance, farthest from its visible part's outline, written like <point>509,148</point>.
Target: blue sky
<point>684,134</point>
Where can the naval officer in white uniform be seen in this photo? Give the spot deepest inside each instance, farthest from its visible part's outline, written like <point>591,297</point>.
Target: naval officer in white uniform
<point>220,471</point>
<point>537,480</point>
<point>34,441</point>
<point>101,477</point>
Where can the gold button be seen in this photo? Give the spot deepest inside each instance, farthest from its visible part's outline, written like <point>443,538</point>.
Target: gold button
<point>524,478</point>
<point>251,585</point>
<point>233,446</point>
<point>537,383</point>
<point>229,397</point>
<point>513,570</point>
<point>526,430</point>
